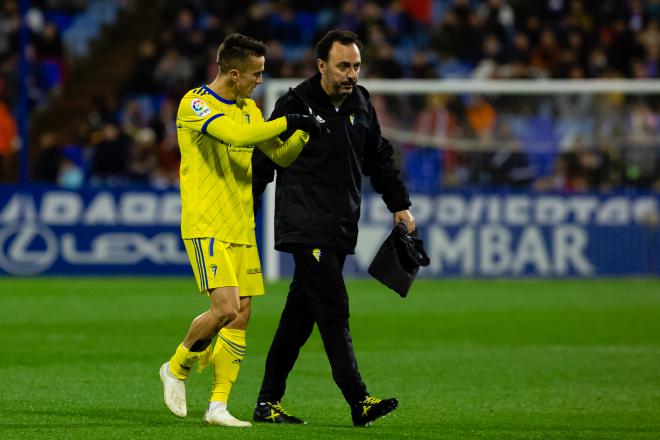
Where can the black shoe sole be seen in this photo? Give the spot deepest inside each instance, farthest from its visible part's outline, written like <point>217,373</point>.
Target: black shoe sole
<point>281,422</point>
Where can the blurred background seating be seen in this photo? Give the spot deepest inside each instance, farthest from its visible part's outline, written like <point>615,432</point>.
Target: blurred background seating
<point>104,79</point>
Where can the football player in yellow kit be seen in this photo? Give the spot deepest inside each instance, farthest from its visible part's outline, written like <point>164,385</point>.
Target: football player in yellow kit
<point>218,127</point>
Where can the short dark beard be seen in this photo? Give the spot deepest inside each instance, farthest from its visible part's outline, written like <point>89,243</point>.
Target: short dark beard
<point>344,94</point>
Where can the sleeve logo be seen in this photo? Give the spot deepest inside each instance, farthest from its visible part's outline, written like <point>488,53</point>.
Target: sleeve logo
<point>200,107</point>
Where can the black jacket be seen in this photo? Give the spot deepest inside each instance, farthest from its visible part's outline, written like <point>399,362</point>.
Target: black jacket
<point>317,198</point>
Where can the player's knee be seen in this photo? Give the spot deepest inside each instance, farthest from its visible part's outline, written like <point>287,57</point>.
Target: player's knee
<point>228,314</point>
<point>224,315</point>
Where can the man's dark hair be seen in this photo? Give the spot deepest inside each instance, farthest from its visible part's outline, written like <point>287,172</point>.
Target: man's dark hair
<point>340,36</point>
<point>236,49</point>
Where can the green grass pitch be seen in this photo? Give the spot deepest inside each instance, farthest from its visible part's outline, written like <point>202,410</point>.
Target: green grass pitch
<point>485,359</point>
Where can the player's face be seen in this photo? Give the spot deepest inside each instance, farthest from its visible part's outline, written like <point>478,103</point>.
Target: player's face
<point>251,76</point>
<point>340,73</point>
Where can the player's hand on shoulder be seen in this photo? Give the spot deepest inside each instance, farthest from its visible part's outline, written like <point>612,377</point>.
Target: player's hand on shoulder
<point>307,123</point>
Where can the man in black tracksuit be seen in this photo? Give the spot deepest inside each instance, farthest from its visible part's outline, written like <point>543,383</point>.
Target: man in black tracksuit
<point>317,208</point>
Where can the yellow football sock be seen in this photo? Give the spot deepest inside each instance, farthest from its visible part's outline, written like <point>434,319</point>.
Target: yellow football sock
<point>227,358</point>
<point>183,360</point>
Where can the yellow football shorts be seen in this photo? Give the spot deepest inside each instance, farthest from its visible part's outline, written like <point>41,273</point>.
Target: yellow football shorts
<point>217,263</point>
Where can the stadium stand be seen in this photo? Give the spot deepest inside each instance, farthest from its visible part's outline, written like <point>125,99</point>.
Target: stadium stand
<point>493,39</point>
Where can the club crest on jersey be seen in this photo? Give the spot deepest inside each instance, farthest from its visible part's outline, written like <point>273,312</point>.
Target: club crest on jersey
<point>200,107</point>
<point>317,254</point>
<point>351,117</point>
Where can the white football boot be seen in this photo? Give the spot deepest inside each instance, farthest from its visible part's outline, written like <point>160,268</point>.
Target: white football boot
<point>220,416</point>
<point>174,391</point>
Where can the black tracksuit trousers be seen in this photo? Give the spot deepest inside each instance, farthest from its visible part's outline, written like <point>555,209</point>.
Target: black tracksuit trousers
<point>318,295</point>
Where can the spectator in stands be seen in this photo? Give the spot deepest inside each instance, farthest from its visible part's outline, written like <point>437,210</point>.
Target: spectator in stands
<point>564,178</point>
<point>49,43</point>
<point>276,63</point>
<point>173,70</point>
<point>133,117</point>
<point>481,117</point>
<point>162,122</point>
<point>421,66</point>
<point>384,64</point>
<point>110,156</point>
<point>10,22</point>
<point>546,56</point>
<point>597,63</point>
<point>282,23</point>
<point>371,22</point>
<point>432,130</point>
<point>509,164</point>
<point>398,21</point>
<point>595,168</point>
<point>255,22</point>
<point>143,158</point>
<point>169,158</point>
<point>141,79</point>
<point>9,140</point>
<point>446,36</point>
<point>70,175</point>
<point>623,47</point>
<point>48,159</point>
<point>493,57</point>
<point>214,30</point>
<point>103,109</point>
<point>347,17</point>
<point>640,155</point>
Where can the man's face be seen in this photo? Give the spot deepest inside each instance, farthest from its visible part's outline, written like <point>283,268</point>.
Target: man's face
<point>339,73</point>
<point>250,76</point>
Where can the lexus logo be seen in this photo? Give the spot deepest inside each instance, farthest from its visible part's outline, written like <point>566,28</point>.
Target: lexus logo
<point>27,249</point>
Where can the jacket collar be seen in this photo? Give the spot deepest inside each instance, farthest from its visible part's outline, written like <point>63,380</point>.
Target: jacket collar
<point>320,101</point>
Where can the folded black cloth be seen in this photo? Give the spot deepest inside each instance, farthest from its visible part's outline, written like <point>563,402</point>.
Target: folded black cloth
<point>397,261</point>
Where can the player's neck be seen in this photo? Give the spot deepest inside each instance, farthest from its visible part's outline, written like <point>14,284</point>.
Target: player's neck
<point>224,88</point>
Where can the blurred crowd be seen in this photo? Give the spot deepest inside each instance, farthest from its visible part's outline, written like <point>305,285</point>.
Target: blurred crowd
<point>564,143</point>
<point>575,143</point>
<point>42,69</point>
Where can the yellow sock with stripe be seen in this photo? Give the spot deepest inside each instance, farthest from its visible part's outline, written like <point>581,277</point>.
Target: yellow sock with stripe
<point>227,358</point>
<point>183,360</point>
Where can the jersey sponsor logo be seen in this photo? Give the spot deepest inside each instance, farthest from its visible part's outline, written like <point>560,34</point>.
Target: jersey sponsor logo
<point>200,107</point>
<point>254,270</point>
<point>317,254</point>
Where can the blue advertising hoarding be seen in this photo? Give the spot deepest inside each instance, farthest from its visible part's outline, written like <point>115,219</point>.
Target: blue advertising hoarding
<point>52,231</point>
<point>486,234</point>
<point>47,230</point>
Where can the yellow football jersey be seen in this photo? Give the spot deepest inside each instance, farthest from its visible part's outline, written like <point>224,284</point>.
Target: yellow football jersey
<point>216,137</point>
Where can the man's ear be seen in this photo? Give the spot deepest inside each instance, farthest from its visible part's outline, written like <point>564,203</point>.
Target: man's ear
<point>321,65</point>
<point>234,74</point>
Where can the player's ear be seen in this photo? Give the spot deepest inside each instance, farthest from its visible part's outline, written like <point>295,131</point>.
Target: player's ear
<point>234,74</point>
<point>321,65</point>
